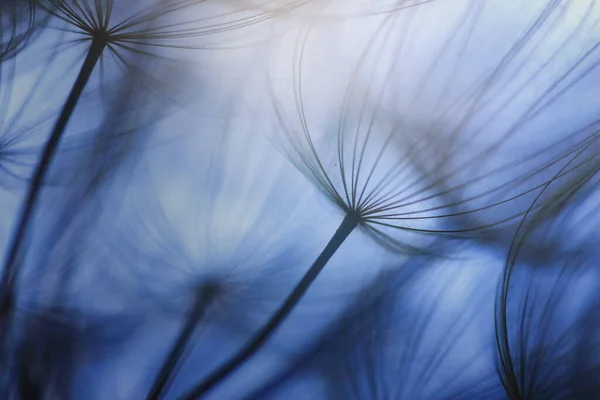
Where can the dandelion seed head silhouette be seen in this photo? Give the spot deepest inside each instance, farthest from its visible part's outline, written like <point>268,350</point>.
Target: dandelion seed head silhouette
<point>474,135</point>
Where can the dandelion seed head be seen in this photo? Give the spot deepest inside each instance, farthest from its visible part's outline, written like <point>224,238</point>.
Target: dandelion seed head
<point>466,171</point>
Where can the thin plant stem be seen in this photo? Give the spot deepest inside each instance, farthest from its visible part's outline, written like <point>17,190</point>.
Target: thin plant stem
<point>9,272</point>
<point>166,374</point>
<point>350,222</point>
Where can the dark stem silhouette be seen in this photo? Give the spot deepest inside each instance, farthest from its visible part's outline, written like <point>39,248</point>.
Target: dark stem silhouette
<point>350,222</point>
<point>10,268</point>
<point>171,364</point>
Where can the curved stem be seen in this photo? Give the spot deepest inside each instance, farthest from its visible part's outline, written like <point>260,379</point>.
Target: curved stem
<point>346,227</point>
<point>165,376</point>
<point>10,269</point>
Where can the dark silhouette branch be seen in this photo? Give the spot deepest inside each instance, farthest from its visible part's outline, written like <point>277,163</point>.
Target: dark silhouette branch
<point>166,374</point>
<point>10,268</point>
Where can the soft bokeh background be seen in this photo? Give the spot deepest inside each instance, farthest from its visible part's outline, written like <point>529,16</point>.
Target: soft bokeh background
<point>176,181</point>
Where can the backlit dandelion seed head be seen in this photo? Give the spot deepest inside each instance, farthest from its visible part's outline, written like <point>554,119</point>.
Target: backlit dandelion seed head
<point>430,156</point>
<point>350,149</point>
